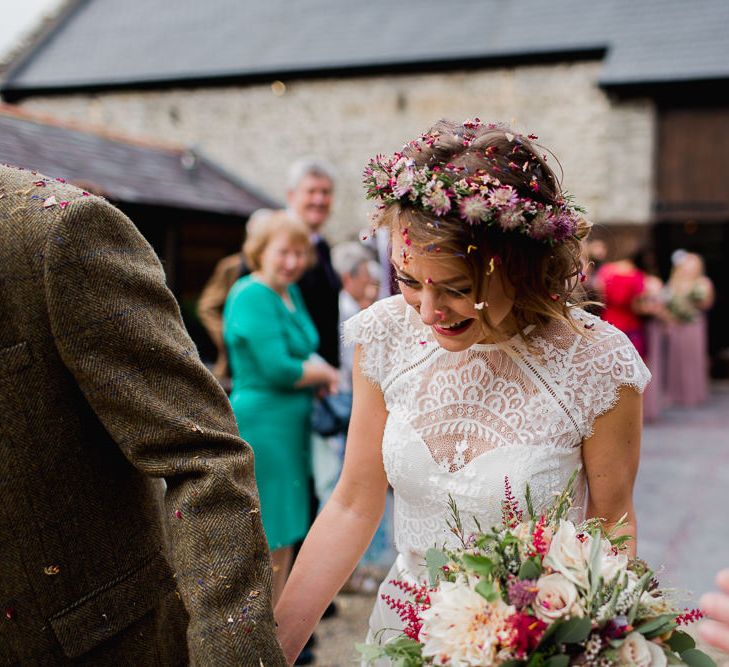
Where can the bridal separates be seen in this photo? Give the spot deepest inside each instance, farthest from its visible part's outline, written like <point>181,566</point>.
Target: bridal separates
<point>460,422</point>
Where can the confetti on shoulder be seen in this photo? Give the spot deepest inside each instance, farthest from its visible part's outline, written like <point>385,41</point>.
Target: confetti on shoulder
<point>480,305</point>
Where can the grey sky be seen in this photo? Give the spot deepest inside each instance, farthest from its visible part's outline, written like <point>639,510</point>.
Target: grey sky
<point>19,17</point>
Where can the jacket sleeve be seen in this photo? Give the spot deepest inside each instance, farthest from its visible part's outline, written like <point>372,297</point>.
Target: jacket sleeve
<point>118,331</point>
<point>253,320</point>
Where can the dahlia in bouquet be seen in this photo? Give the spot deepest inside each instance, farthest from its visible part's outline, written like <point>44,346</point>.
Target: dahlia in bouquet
<point>538,591</point>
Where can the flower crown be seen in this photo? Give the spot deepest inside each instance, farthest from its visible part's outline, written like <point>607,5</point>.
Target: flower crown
<point>475,197</point>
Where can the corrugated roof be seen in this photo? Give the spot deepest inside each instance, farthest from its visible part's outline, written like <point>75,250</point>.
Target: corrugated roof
<point>109,43</point>
<point>123,169</point>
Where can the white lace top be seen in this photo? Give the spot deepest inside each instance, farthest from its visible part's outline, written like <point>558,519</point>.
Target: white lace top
<point>459,422</point>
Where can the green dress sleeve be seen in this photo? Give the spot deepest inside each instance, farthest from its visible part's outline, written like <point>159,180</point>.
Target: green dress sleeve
<point>255,317</point>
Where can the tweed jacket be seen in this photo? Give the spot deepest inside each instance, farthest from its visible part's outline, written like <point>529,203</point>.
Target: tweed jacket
<point>103,396</point>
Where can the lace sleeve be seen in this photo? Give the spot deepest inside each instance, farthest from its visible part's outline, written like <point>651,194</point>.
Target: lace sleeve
<point>603,363</point>
<point>375,329</point>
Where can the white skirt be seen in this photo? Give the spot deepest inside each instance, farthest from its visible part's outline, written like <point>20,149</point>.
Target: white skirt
<point>384,623</point>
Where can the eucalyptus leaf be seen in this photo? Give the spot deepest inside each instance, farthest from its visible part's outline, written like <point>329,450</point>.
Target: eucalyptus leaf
<point>529,570</point>
<point>370,652</point>
<point>573,631</point>
<point>486,590</point>
<point>695,658</point>
<point>479,564</point>
<point>512,663</point>
<point>595,563</point>
<point>680,641</point>
<point>655,624</point>
<point>435,559</point>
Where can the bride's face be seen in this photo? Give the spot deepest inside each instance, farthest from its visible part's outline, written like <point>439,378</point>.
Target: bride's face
<point>444,297</point>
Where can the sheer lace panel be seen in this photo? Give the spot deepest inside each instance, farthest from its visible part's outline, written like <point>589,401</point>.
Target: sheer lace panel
<point>465,404</point>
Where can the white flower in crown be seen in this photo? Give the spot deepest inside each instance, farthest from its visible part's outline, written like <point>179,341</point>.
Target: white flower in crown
<point>541,226</point>
<point>511,219</point>
<point>463,629</point>
<point>382,178</point>
<point>437,199</point>
<point>473,209</point>
<point>404,182</point>
<point>502,196</point>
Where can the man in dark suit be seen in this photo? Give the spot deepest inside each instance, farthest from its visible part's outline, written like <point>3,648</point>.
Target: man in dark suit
<point>309,195</point>
<point>103,396</point>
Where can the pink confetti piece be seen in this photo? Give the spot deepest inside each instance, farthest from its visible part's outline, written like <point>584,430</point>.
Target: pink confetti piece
<point>63,204</point>
<point>51,201</point>
<point>480,305</point>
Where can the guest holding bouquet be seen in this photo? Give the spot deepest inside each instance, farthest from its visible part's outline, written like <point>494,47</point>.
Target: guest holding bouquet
<point>271,341</point>
<point>690,295</point>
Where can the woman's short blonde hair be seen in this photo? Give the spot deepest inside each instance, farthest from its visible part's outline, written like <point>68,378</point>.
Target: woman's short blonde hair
<point>261,229</point>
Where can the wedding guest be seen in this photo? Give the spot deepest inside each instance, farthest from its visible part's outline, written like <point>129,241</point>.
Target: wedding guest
<point>619,284</point>
<point>482,367</point>
<point>212,301</point>
<point>657,319</point>
<point>102,397</point>
<point>271,342</point>
<point>353,263</point>
<point>690,295</point>
<point>309,196</point>
<point>715,629</point>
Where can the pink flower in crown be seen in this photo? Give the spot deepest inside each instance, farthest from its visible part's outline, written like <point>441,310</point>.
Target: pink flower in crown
<point>565,225</point>
<point>511,219</point>
<point>437,199</point>
<point>541,226</point>
<point>503,196</point>
<point>473,209</point>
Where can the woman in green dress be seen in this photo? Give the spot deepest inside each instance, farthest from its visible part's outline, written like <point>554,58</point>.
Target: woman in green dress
<point>271,342</point>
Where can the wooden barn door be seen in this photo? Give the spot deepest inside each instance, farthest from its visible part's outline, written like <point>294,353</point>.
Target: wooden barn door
<point>692,203</point>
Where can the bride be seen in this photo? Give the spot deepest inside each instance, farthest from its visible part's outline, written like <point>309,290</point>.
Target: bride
<point>482,368</point>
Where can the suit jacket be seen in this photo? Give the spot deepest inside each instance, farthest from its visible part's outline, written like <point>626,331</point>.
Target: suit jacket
<point>102,395</point>
<point>320,287</point>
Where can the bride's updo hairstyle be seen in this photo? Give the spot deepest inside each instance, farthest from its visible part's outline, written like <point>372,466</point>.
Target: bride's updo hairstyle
<point>480,196</point>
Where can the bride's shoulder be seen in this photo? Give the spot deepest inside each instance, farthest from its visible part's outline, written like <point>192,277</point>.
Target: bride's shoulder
<point>594,348</point>
<point>382,319</point>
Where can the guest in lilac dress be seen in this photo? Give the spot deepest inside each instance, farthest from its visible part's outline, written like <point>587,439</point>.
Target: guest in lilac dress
<point>657,321</point>
<point>690,293</point>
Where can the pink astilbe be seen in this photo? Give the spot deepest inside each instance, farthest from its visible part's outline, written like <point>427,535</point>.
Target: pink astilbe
<point>409,611</point>
<point>539,543</point>
<point>511,514</point>
<point>689,616</point>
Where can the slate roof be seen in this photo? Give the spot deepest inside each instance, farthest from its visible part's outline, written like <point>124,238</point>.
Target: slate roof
<point>123,169</point>
<point>107,43</point>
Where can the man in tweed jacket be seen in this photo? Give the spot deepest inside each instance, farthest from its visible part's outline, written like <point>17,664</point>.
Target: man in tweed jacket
<point>102,396</point>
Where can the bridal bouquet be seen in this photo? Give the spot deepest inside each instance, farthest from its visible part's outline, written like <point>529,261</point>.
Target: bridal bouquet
<point>538,591</point>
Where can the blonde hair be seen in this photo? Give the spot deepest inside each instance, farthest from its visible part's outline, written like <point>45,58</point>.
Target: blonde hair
<point>261,229</point>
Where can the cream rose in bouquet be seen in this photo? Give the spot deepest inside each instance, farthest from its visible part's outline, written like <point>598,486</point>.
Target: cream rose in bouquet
<point>539,591</point>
